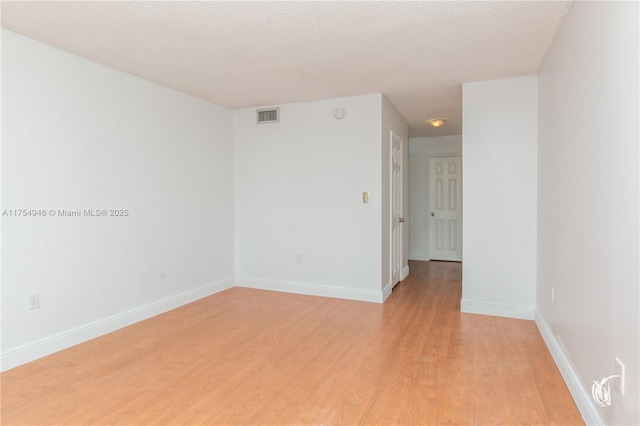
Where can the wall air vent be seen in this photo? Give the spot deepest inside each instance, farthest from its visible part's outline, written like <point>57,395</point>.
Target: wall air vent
<point>269,115</point>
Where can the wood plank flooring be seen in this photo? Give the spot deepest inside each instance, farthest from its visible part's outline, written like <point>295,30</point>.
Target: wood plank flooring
<point>255,357</point>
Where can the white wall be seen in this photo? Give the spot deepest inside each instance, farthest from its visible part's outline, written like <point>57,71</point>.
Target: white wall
<point>298,190</point>
<point>393,121</point>
<point>78,135</point>
<point>420,151</point>
<point>499,145</point>
<point>588,203</point>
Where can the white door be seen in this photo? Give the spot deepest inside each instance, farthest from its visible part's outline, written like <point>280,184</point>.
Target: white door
<point>396,208</point>
<point>445,202</point>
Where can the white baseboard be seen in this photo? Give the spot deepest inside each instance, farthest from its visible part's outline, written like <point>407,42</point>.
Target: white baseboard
<point>496,309</point>
<point>419,255</point>
<point>31,352</point>
<point>405,273</point>
<point>586,406</point>
<point>312,289</point>
<point>386,291</point>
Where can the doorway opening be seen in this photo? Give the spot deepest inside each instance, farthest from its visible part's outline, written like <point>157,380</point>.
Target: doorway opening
<point>435,171</point>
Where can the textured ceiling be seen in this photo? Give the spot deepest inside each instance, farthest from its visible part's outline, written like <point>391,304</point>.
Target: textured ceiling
<point>243,54</point>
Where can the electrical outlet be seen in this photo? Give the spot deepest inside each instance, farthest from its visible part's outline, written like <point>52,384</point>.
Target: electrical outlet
<point>618,370</point>
<point>33,300</point>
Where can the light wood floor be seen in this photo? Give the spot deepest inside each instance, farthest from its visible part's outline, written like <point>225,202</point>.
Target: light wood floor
<point>264,358</point>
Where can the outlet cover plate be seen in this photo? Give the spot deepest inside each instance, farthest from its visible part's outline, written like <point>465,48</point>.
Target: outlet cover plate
<point>33,300</point>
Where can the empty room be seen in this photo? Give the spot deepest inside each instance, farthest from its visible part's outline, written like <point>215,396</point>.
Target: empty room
<point>278,213</point>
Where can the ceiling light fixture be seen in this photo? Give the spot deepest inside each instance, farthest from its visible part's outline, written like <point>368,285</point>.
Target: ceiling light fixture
<point>437,122</point>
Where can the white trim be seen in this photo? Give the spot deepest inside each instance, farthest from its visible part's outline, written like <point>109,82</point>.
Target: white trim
<point>81,334</point>
<point>419,255</point>
<point>390,151</point>
<point>587,408</point>
<point>312,289</point>
<point>393,135</point>
<point>405,272</point>
<point>496,309</point>
<point>386,291</point>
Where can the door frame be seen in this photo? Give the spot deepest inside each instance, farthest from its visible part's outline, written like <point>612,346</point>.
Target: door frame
<point>427,196</point>
<point>392,136</point>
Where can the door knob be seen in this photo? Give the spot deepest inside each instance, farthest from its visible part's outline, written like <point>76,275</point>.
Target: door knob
<point>401,220</point>
<point>433,214</point>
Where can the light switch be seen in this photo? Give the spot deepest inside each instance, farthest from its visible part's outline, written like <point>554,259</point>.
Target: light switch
<point>365,197</point>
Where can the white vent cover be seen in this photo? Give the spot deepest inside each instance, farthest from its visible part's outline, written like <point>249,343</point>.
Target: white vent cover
<point>269,115</point>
